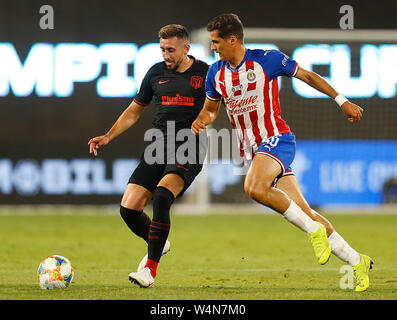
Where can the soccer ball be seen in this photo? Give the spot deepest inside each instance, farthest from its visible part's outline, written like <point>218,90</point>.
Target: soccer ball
<point>55,272</point>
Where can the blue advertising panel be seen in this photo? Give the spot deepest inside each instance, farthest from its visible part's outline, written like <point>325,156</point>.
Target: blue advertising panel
<point>345,172</point>
<point>330,172</point>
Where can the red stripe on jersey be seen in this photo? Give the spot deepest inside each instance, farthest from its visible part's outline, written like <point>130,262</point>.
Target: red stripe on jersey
<point>249,65</point>
<point>251,86</point>
<point>267,103</point>
<point>232,121</point>
<point>255,128</point>
<point>222,82</point>
<point>236,82</point>
<point>140,103</point>
<point>240,119</point>
<point>240,146</point>
<point>280,123</point>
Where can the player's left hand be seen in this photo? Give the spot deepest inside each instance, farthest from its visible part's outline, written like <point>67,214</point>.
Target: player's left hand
<point>352,111</point>
<point>198,126</point>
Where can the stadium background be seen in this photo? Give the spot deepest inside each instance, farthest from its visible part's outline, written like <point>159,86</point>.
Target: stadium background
<point>39,133</point>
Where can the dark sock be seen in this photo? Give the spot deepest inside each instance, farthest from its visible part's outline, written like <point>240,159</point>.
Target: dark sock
<point>137,221</point>
<point>160,226</point>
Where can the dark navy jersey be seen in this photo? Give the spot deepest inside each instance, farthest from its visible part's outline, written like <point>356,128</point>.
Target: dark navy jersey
<point>178,96</point>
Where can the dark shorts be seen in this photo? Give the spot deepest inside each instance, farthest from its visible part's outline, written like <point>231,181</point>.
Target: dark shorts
<point>148,175</point>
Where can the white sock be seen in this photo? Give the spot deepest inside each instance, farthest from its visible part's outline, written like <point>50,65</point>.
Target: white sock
<point>342,250</point>
<point>299,218</point>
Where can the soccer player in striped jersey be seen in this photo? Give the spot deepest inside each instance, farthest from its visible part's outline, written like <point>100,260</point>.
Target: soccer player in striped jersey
<point>246,80</point>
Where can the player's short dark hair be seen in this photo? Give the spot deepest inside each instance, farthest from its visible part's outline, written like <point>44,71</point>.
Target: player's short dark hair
<point>227,24</point>
<point>174,30</point>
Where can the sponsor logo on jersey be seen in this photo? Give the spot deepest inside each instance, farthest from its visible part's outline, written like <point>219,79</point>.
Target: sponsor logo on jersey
<point>163,81</point>
<point>177,100</point>
<point>238,106</point>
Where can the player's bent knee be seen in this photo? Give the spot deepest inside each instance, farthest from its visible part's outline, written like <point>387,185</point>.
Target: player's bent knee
<point>162,197</point>
<point>250,191</point>
<point>134,205</point>
<point>125,212</point>
<point>258,192</point>
<point>135,197</point>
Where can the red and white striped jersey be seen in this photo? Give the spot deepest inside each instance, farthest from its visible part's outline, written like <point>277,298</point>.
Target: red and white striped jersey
<point>251,95</point>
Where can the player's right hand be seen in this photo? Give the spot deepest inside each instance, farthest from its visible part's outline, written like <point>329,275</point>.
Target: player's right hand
<point>352,111</point>
<point>97,142</point>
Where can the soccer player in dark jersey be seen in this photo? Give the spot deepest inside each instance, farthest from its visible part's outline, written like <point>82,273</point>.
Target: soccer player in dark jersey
<point>177,86</point>
<point>246,80</point>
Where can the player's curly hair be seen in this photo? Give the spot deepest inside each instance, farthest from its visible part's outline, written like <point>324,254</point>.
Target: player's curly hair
<point>227,24</point>
<point>174,30</point>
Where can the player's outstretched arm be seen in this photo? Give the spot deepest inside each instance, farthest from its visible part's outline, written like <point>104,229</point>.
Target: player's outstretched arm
<point>207,115</point>
<point>352,111</point>
<point>125,121</point>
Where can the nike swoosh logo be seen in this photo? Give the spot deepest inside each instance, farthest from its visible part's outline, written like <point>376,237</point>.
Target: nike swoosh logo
<point>161,82</point>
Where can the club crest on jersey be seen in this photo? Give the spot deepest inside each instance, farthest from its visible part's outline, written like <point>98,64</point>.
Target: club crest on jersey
<point>196,82</point>
<point>251,76</point>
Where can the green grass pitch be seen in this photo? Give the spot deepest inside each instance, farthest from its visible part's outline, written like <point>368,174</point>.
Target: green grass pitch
<point>212,257</point>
